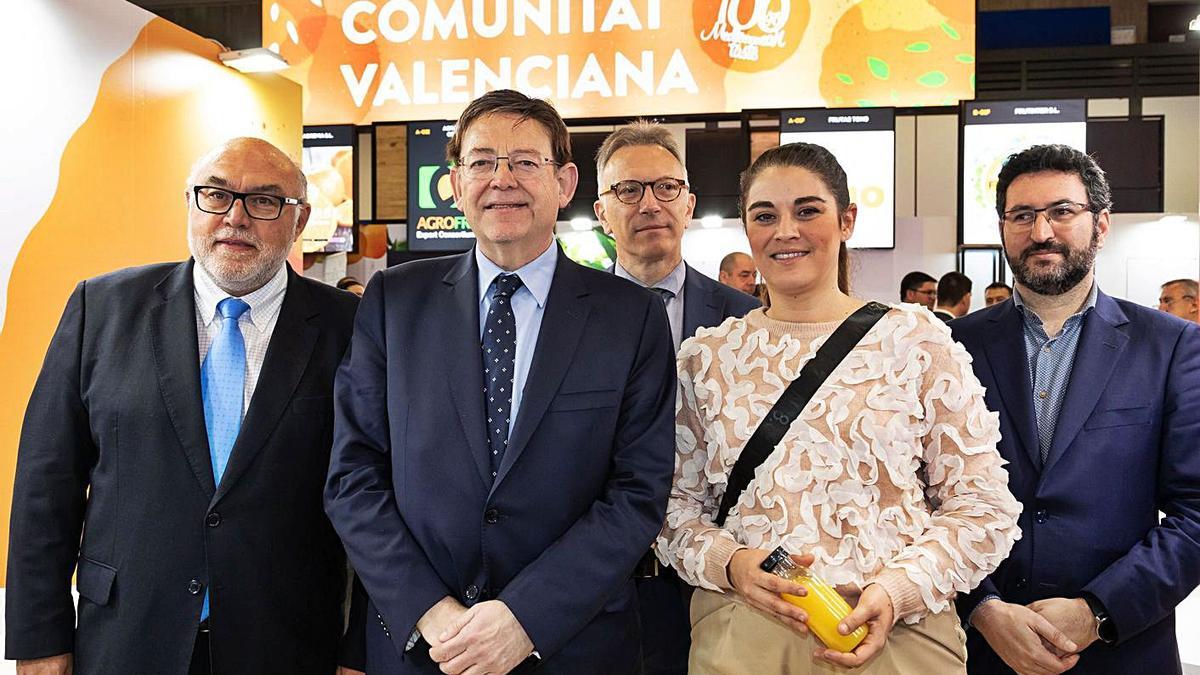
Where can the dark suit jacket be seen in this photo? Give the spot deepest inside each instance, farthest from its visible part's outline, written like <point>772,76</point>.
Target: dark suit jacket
<point>707,302</point>
<point>1125,447</point>
<point>582,488</point>
<point>114,444</point>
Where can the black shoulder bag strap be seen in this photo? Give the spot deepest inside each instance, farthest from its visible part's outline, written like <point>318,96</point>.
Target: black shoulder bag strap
<point>789,406</point>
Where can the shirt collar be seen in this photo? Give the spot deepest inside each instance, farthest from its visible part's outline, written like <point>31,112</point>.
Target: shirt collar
<point>263,302</point>
<point>672,282</point>
<point>536,275</point>
<point>1030,315</point>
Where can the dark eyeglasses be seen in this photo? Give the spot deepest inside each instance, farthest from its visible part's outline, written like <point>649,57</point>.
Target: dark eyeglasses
<point>258,205</point>
<point>631,191</point>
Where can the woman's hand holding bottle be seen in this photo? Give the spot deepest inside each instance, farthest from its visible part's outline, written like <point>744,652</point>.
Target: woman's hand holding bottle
<point>762,590</point>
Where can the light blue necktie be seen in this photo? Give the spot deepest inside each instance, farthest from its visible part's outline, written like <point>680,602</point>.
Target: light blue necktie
<point>222,386</point>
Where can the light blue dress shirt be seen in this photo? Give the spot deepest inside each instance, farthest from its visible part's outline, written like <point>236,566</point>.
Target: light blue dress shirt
<point>528,305</point>
<point>1051,360</point>
<point>674,282</point>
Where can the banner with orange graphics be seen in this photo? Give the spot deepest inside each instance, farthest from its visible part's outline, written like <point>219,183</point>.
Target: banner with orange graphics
<point>97,154</point>
<point>364,61</point>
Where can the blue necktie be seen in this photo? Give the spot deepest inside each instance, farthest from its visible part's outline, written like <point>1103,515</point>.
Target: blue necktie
<point>499,358</point>
<point>222,386</point>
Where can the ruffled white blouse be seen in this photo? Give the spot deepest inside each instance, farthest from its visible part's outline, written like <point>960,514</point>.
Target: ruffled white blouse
<point>890,476</point>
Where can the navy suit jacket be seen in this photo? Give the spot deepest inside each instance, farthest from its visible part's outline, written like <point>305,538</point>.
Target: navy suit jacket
<point>1126,446</point>
<point>707,302</point>
<point>114,445</point>
<point>582,488</point>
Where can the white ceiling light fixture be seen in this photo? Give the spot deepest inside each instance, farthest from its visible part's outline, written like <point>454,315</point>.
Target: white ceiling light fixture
<point>257,60</point>
<point>581,224</point>
<point>710,222</point>
<point>1194,24</point>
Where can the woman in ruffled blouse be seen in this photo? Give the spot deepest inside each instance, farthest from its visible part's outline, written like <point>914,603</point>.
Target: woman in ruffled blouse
<point>888,485</point>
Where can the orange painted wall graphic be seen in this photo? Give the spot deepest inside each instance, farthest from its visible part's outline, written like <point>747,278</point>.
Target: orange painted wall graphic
<point>119,199</point>
<point>364,61</point>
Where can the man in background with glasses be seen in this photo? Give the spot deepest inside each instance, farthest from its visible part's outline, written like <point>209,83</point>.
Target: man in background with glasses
<point>919,288</point>
<point>645,205</point>
<point>181,421</point>
<point>1181,297</point>
<point>504,433</point>
<point>1098,419</point>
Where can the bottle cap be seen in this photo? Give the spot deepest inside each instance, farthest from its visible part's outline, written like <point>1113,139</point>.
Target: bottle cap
<point>777,556</point>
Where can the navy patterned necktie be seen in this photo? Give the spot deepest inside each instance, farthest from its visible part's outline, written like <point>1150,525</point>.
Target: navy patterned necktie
<point>664,293</point>
<point>499,357</point>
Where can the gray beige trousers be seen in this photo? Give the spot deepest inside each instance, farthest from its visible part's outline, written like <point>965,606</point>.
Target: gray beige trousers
<point>731,638</point>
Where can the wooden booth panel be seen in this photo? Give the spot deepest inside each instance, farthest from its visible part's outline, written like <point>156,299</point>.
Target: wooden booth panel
<point>391,172</point>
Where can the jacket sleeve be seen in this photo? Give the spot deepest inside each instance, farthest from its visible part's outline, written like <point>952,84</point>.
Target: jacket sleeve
<point>1145,585</point>
<point>54,461</point>
<point>557,594</point>
<point>360,498</point>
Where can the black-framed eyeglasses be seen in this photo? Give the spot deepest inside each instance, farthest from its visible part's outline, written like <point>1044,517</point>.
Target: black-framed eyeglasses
<point>631,191</point>
<point>1059,214</point>
<point>521,164</point>
<point>258,205</point>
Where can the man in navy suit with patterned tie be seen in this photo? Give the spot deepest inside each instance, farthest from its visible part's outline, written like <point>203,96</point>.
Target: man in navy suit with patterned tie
<point>645,204</point>
<point>182,423</point>
<point>504,425</point>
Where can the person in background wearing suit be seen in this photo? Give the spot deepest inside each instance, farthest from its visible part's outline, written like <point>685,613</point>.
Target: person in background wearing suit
<point>1099,419</point>
<point>953,296</point>
<point>737,269</point>
<point>644,203</point>
<point>503,437</point>
<point>182,422</point>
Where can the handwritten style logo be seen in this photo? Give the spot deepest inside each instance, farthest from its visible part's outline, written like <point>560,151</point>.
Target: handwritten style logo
<point>764,28</point>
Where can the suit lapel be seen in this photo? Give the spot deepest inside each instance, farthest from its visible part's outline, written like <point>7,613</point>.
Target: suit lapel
<point>177,362</point>
<point>1096,357</point>
<point>701,307</point>
<point>288,354</point>
<point>465,368</point>
<point>1006,357</point>
<point>562,327</point>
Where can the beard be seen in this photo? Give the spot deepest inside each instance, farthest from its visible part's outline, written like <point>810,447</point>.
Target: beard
<point>1060,278</point>
<point>233,275</point>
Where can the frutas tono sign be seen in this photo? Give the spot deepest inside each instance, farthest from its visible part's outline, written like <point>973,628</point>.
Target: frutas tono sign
<point>374,60</point>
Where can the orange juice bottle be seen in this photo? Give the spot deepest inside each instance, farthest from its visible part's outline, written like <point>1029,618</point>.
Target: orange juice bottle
<point>824,606</point>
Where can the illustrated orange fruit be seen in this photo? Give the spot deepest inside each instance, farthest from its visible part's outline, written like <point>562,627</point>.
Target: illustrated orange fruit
<point>900,53</point>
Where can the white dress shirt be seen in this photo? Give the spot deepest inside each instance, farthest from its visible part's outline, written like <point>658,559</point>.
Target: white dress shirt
<point>256,324</point>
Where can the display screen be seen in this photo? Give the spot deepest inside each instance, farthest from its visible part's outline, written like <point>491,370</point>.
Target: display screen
<point>992,131</point>
<point>371,61</point>
<point>328,164</point>
<point>434,221</point>
<point>864,143</point>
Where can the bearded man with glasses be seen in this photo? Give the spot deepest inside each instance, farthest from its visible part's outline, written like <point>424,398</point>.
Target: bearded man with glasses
<point>504,435</point>
<point>1099,419</point>
<point>181,421</point>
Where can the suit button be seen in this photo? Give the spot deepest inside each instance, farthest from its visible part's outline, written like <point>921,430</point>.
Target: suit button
<point>213,519</point>
<point>492,516</point>
<point>194,587</point>
<point>472,592</point>
<point>1040,516</point>
<point>1022,582</point>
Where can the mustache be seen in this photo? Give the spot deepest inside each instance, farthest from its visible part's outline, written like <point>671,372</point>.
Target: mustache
<point>1045,247</point>
<point>234,236</point>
